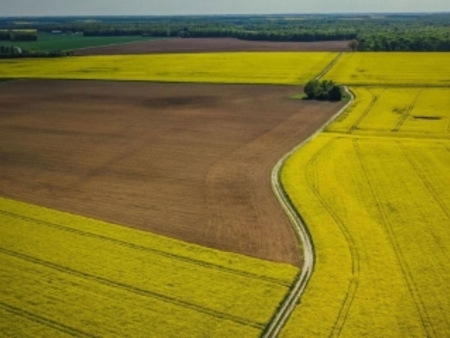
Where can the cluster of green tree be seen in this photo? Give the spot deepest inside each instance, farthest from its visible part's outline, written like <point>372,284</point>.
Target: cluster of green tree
<point>18,35</point>
<point>386,32</point>
<point>407,41</point>
<point>13,52</point>
<point>413,32</point>
<point>323,90</point>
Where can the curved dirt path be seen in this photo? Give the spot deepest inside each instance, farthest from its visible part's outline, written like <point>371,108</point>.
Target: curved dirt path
<point>301,230</point>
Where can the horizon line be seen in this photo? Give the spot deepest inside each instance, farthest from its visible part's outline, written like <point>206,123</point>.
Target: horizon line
<point>219,14</point>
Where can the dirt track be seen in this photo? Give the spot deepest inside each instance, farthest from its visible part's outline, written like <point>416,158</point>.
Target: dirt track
<point>197,45</point>
<point>187,161</point>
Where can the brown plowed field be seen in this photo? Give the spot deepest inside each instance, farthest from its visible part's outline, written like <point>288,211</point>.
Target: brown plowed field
<point>187,161</point>
<point>197,45</point>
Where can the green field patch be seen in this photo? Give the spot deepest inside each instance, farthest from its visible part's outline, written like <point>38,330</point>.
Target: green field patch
<point>48,42</point>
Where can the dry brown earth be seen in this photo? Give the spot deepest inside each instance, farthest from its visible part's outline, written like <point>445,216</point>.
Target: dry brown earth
<point>188,161</point>
<point>197,45</point>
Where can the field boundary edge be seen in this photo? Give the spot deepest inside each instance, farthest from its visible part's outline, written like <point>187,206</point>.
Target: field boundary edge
<point>298,287</point>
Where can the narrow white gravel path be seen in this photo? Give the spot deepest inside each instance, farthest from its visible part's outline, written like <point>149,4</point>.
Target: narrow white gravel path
<point>286,308</point>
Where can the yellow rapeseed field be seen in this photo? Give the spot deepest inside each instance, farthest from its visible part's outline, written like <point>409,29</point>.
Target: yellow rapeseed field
<point>373,190</point>
<point>412,69</point>
<point>406,112</point>
<point>66,275</point>
<point>273,67</point>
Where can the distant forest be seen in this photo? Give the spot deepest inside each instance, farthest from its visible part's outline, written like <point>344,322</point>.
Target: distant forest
<point>370,32</point>
<point>18,35</point>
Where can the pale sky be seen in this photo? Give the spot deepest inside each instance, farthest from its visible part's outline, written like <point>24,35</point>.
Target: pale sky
<point>188,7</point>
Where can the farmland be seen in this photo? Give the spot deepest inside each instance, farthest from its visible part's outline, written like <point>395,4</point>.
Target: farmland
<point>192,162</point>
<point>203,45</point>
<point>185,161</point>
<point>122,282</point>
<point>260,68</point>
<point>188,161</point>
<point>48,42</point>
<point>393,112</point>
<point>394,69</point>
<point>372,191</point>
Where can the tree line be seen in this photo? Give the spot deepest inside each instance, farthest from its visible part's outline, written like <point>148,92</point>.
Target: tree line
<point>14,52</point>
<point>297,35</point>
<point>388,32</point>
<point>407,41</point>
<point>18,35</point>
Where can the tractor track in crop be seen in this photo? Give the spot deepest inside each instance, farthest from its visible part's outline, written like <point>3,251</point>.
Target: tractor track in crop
<point>330,65</point>
<point>311,177</point>
<point>408,111</point>
<point>133,246</point>
<point>32,316</point>
<point>425,181</point>
<point>407,275</point>
<point>130,288</point>
<point>366,112</point>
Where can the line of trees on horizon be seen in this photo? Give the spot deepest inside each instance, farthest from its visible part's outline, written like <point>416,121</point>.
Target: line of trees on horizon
<point>18,35</point>
<point>298,35</point>
<point>394,32</point>
<point>416,41</point>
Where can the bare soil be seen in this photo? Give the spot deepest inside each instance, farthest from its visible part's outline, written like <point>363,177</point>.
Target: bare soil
<point>197,45</point>
<point>189,161</point>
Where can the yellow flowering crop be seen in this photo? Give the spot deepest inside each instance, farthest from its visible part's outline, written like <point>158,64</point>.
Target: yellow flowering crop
<point>63,275</point>
<point>376,201</point>
<point>414,69</point>
<point>406,112</point>
<point>273,67</point>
